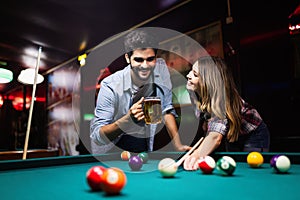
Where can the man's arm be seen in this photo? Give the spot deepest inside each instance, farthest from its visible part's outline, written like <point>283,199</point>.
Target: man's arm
<point>125,123</point>
<point>103,126</point>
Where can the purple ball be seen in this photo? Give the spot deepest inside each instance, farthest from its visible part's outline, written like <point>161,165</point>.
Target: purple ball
<point>135,163</point>
<point>273,161</point>
<point>280,163</point>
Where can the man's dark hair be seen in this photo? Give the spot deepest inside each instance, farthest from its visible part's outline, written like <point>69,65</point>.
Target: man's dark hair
<point>139,39</point>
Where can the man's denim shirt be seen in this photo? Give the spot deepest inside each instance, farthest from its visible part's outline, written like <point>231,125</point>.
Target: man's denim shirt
<point>114,100</point>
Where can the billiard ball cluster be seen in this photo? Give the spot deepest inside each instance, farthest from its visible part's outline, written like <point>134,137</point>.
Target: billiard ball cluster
<point>226,165</point>
<point>279,163</point>
<point>135,162</point>
<point>110,180</point>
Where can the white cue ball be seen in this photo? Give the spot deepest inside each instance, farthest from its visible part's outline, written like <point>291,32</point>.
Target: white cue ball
<point>167,167</point>
<point>283,164</point>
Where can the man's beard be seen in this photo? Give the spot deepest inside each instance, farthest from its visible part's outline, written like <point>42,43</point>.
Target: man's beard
<point>136,71</point>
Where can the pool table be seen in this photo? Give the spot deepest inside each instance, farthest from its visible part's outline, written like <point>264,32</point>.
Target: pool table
<point>65,178</point>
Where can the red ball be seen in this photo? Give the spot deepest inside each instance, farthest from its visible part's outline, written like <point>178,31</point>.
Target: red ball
<point>114,179</point>
<point>207,164</point>
<point>94,177</point>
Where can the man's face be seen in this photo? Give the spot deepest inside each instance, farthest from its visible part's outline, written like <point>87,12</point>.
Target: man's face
<point>142,62</point>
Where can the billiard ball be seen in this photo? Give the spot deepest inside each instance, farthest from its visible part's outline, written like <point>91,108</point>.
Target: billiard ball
<point>125,155</point>
<point>206,164</point>
<point>114,180</point>
<point>255,159</point>
<point>135,163</point>
<point>167,167</point>
<point>280,163</point>
<point>94,177</point>
<point>144,156</point>
<point>226,165</point>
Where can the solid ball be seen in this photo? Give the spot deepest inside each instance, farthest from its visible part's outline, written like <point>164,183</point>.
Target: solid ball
<point>94,177</point>
<point>125,155</point>
<point>144,156</point>
<point>206,164</point>
<point>226,165</point>
<point>135,163</point>
<point>273,160</point>
<point>167,167</point>
<point>114,180</point>
<point>280,163</point>
<point>255,159</point>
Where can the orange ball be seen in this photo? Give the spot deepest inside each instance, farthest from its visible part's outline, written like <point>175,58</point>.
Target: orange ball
<point>255,159</point>
<point>125,155</point>
<point>114,179</point>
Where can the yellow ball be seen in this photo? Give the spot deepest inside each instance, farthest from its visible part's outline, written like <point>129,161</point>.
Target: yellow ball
<point>255,159</point>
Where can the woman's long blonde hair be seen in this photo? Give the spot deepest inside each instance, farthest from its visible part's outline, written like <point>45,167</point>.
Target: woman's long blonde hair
<point>218,94</point>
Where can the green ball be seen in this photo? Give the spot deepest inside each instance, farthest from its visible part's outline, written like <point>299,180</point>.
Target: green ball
<point>226,165</point>
<point>144,156</point>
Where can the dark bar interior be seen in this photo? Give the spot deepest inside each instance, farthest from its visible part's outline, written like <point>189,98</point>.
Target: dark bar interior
<point>260,40</point>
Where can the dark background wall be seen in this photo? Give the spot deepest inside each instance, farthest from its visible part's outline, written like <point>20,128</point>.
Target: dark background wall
<point>263,60</point>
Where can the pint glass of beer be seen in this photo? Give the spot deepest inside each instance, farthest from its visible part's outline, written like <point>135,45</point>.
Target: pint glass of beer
<point>152,110</point>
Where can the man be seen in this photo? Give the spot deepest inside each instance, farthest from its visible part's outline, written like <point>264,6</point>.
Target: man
<point>119,117</point>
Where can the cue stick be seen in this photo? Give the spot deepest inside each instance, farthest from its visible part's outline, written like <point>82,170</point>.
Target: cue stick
<point>31,104</point>
<point>180,161</point>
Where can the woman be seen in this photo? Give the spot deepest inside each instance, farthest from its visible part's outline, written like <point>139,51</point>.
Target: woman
<point>231,120</point>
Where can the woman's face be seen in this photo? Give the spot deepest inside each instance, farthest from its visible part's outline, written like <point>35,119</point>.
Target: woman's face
<point>193,79</point>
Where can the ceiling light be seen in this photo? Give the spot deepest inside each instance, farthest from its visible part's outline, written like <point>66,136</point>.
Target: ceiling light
<point>27,77</point>
<point>82,60</point>
<point>6,75</point>
<point>1,100</point>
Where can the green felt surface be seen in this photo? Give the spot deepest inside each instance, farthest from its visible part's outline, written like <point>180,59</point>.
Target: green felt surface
<point>69,182</point>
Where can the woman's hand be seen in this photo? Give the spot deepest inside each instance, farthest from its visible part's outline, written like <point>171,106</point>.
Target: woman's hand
<point>191,162</point>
